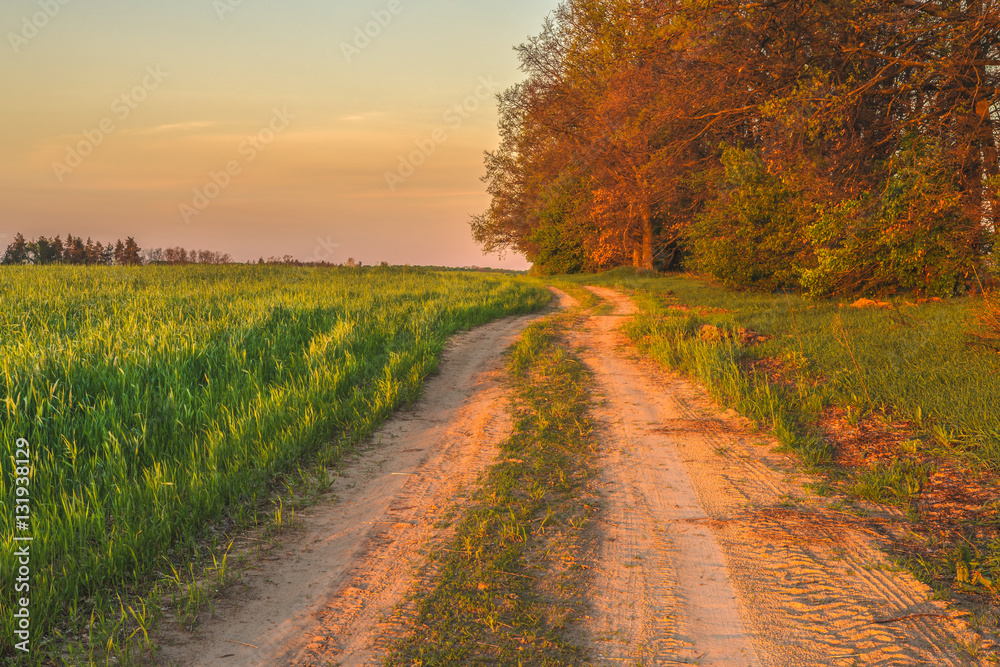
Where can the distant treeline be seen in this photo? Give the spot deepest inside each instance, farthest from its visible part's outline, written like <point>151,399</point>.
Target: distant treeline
<point>179,255</point>
<point>837,146</point>
<point>74,250</point>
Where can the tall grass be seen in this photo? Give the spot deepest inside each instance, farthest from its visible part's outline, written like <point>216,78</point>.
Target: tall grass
<point>914,360</point>
<point>154,398</point>
<point>675,342</point>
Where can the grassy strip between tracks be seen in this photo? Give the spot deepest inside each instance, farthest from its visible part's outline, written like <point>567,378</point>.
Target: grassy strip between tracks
<point>511,581</point>
<point>893,405</point>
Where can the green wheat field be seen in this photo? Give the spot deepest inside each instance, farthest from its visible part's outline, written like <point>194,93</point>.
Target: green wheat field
<point>156,399</point>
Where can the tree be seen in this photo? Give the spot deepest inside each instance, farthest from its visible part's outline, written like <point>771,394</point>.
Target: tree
<point>131,253</point>
<point>74,251</point>
<point>57,250</point>
<point>597,120</point>
<point>44,251</point>
<point>155,256</point>
<point>90,252</point>
<point>67,251</point>
<point>176,255</point>
<point>123,253</point>
<point>751,235</point>
<point>886,95</point>
<point>17,251</point>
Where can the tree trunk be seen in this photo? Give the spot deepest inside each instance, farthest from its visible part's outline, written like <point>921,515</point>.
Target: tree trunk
<point>647,237</point>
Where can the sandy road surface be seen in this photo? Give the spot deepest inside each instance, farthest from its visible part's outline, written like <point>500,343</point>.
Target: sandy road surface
<point>712,552</point>
<point>329,598</point>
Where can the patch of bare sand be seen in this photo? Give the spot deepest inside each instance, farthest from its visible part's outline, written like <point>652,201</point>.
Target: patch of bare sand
<point>712,552</point>
<point>331,596</point>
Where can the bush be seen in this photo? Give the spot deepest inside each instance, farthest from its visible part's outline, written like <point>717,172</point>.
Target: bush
<point>751,234</point>
<point>557,241</point>
<point>912,236</point>
<point>556,252</point>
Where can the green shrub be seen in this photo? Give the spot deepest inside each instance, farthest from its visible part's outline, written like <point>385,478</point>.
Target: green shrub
<point>557,243</point>
<point>751,234</point>
<point>556,252</point>
<point>914,235</point>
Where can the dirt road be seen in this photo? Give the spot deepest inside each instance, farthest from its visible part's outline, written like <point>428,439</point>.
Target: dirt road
<point>710,550</point>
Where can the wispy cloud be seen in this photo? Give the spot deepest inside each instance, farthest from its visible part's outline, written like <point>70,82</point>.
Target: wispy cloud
<point>172,127</point>
<point>368,115</point>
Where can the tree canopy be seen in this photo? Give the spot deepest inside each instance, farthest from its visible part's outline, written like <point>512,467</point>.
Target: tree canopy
<point>833,145</point>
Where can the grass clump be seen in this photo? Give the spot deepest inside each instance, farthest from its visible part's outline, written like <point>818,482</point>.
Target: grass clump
<point>897,483</point>
<point>719,362</point>
<point>504,593</point>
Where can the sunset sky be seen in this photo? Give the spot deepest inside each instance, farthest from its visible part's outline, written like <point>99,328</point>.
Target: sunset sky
<point>257,127</point>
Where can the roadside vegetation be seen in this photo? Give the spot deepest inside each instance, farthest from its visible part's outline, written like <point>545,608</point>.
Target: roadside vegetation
<point>897,405</point>
<point>162,403</point>
<point>511,581</point>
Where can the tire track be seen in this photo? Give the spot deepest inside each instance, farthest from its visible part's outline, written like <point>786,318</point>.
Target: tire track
<point>357,626</point>
<point>663,596</point>
<point>827,578</point>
